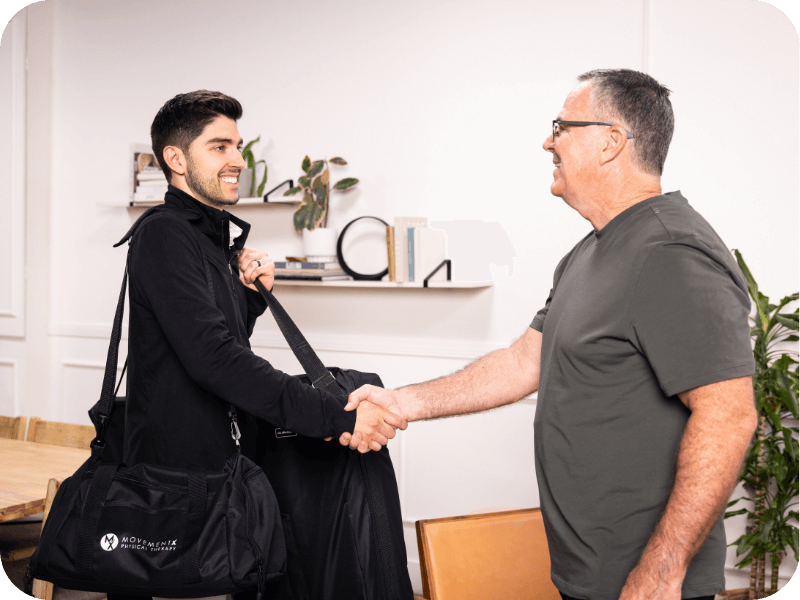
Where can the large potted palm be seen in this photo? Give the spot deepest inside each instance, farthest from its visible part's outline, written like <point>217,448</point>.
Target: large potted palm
<point>770,472</point>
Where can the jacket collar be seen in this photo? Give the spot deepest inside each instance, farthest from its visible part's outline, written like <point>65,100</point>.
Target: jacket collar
<point>210,221</point>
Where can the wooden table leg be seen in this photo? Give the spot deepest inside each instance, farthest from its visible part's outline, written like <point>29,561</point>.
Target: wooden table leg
<point>44,589</point>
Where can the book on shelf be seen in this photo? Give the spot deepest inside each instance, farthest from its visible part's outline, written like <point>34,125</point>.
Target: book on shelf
<point>390,251</point>
<point>298,264</point>
<point>299,273</point>
<point>149,194</point>
<point>144,167</point>
<point>430,249</point>
<point>401,225</point>
<point>148,183</point>
<point>411,265</point>
<point>304,277</point>
<point>150,175</point>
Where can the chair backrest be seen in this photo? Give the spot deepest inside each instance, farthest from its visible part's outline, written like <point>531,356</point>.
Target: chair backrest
<point>60,434</point>
<point>490,555</point>
<point>12,427</point>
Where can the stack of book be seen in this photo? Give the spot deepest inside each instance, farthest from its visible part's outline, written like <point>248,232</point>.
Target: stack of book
<point>415,250</point>
<point>149,182</point>
<point>309,271</point>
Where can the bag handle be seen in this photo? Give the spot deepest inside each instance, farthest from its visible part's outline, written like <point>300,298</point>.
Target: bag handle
<point>320,377</point>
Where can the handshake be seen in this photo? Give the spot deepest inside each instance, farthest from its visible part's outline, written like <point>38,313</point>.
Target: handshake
<point>378,418</point>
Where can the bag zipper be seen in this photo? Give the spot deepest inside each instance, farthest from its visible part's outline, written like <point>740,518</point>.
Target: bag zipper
<point>147,484</point>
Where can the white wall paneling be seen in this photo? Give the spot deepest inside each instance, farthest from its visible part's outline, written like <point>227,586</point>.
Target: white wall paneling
<point>12,174</point>
<point>9,387</point>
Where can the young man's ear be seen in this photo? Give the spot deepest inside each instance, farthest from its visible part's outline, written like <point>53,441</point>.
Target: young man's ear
<point>175,160</point>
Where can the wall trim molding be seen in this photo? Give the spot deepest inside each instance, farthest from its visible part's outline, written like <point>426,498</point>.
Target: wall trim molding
<point>355,344</point>
<point>83,364</point>
<point>14,364</point>
<point>83,330</point>
<point>12,318</point>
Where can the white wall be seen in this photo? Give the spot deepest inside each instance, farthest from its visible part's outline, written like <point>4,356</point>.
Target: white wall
<point>441,109</point>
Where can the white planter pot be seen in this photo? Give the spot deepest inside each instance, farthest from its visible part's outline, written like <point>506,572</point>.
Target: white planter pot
<point>320,245</point>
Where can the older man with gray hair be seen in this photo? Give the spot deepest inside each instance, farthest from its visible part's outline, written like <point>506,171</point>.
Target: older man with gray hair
<point>641,357</point>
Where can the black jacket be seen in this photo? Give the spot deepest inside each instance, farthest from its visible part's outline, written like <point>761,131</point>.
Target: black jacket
<point>189,352</point>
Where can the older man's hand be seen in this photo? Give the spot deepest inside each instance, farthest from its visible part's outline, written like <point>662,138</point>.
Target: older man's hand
<point>644,584</point>
<point>371,395</point>
<point>375,426</point>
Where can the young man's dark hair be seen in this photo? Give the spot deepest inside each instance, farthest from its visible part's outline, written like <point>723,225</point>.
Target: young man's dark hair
<point>643,105</point>
<point>182,119</point>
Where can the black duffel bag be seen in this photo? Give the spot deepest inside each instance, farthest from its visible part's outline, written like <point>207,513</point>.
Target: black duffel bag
<point>340,508</point>
<point>159,531</point>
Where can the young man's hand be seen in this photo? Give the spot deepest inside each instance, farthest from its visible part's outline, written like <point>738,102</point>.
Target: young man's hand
<point>375,426</point>
<point>371,395</point>
<point>256,264</point>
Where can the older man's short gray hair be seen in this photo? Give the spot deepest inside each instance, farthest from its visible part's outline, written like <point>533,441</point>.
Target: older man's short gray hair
<point>641,105</point>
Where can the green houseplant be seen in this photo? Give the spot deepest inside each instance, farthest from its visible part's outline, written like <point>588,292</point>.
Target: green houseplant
<point>252,163</point>
<point>770,472</point>
<point>316,188</point>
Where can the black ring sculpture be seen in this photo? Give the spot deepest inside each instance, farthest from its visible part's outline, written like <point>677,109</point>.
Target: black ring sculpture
<point>340,257</point>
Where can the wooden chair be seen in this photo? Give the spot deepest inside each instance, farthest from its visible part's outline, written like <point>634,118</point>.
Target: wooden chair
<point>60,434</point>
<point>490,555</point>
<point>13,427</point>
<point>18,539</point>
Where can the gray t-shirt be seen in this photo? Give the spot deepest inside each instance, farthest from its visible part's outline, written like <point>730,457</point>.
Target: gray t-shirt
<point>650,306</point>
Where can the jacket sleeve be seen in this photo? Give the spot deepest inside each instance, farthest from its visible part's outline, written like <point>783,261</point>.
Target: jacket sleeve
<point>256,305</point>
<point>167,276</point>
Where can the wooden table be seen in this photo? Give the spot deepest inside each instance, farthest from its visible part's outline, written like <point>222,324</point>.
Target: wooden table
<point>25,469</point>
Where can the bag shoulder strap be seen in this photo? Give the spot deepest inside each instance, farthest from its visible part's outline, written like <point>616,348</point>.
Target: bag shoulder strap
<point>320,377</point>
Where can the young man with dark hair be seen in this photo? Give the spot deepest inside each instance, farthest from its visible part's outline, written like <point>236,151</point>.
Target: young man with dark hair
<point>193,306</point>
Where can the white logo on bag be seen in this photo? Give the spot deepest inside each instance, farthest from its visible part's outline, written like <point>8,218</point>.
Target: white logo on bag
<point>133,543</point>
<point>108,542</point>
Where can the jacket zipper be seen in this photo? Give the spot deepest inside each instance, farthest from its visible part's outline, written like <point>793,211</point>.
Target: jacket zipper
<point>230,268</point>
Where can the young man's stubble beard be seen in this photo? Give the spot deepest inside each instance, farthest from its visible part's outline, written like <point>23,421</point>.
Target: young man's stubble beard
<point>208,188</point>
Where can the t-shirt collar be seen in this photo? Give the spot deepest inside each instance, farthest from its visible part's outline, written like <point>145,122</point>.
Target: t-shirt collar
<point>615,223</point>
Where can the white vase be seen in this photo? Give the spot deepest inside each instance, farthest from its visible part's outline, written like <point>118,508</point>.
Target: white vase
<point>320,245</point>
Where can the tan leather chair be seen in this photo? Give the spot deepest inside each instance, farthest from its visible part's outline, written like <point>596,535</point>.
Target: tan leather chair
<point>12,427</point>
<point>490,555</point>
<point>60,434</point>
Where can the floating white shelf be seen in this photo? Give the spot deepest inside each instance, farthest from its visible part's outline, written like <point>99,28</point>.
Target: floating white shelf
<point>387,284</point>
<point>242,202</point>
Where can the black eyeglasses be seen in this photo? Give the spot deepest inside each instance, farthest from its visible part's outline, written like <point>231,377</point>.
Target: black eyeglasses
<point>557,123</point>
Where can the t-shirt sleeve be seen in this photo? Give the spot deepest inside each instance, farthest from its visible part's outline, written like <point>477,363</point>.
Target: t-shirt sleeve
<point>538,320</point>
<point>689,317</point>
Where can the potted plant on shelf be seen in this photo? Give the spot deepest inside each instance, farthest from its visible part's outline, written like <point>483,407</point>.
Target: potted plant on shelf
<point>247,178</point>
<point>770,472</point>
<point>311,217</point>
